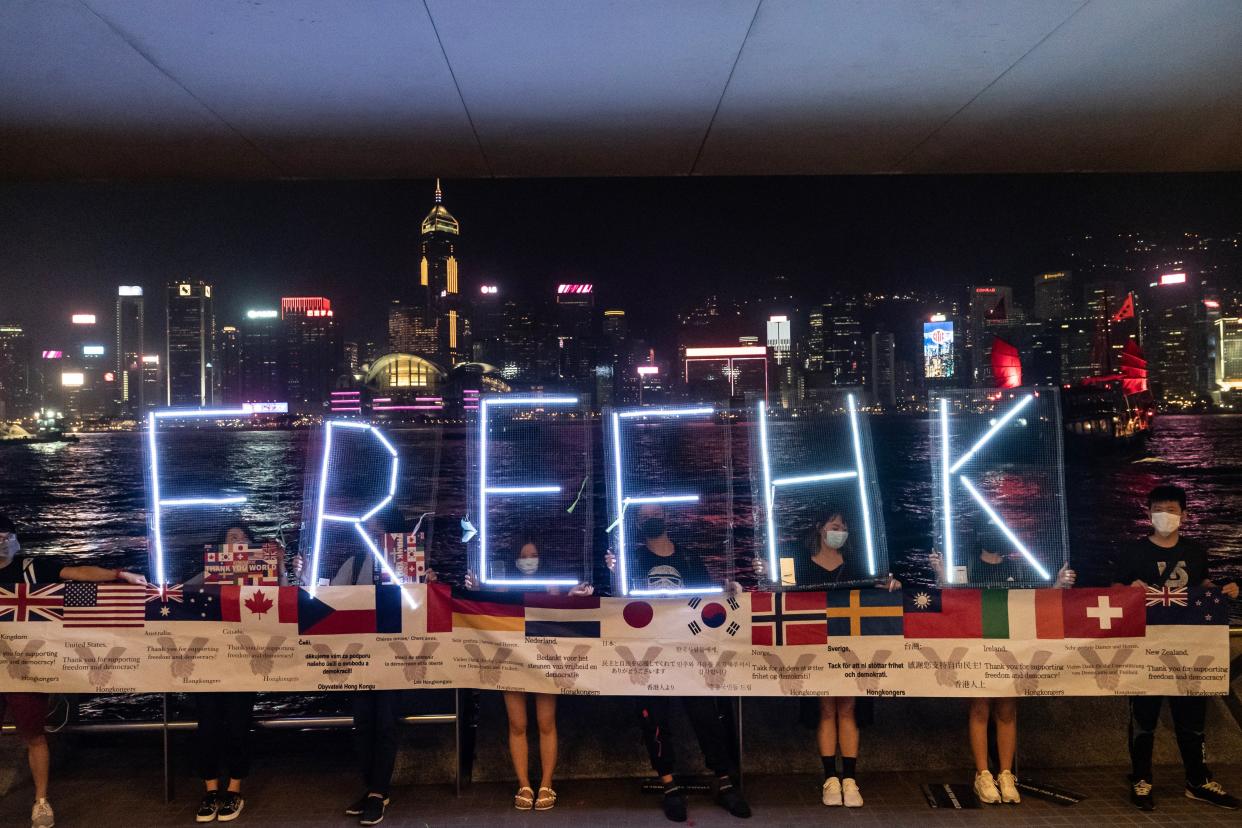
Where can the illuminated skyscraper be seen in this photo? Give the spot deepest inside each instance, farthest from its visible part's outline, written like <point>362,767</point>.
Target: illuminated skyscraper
<point>312,351</point>
<point>229,365</point>
<point>128,351</point>
<point>845,349</point>
<point>575,312</point>
<point>15,372</point>
<point>884,369</point>
<point>190,345</point>
<point>1181,366</point>
<point>261,369</point>
<point>1229,361</point>
<point>1053,297</point>
<point>989,305</point>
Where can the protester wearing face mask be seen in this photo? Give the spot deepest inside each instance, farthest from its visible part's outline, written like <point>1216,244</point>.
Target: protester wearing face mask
<point>29,710</point>
<point>527,564</point>
<point>1166,558</point>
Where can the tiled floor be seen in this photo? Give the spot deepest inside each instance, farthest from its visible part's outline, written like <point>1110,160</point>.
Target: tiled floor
<point>119,784</point>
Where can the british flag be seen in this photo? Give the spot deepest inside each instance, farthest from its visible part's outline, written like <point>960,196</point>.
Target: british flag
<point>1166,597</point>
<point>26,602</point>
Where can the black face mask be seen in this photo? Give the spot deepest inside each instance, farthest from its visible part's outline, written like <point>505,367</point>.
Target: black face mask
<point>652,527</point>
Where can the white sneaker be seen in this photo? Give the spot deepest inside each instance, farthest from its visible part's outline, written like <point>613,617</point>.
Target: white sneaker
<point>41,815</point>
<point>853,799</point>
<point>985,788</point>
<point>832,791</point>
<point>1008,787</point>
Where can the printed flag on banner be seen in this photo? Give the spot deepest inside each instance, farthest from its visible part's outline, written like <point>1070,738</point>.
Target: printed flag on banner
<point>348,610</point>
<point>259,606</point>
<point>562,616</point>
<point>942,613</point>
<point>181,603</point>
<point>32,603</point>
<point>864,612</point>
<point>788,619</point>
<point>493,611</point>
<point>672,619</point>
<point>1023,613</point>
<point>100,606</point>
<point>439,608</point>
<point>1196,605</point>
<point>1118,612</point>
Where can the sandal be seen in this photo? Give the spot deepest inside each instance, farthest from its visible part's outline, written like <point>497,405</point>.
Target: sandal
<point>525,799</point>
<point>547,798</point>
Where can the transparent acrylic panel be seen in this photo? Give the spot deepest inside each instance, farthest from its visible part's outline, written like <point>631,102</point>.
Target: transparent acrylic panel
<point>369,503</point>
<point>999,487</point>
<point>670,499</point>
<point>815,496</point>
<point>529,492</point>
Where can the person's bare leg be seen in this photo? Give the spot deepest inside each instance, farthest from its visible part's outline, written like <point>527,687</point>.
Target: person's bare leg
<point>235,785</point>
<point>847,727</point>
<point>1005,713</point>
<point>519,751</point>
<point>980,710</point>
<point>545,716</point>
<point>826,733</point>
<point>40,758</point>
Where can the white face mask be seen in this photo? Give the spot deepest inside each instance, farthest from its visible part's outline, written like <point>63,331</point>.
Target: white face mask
<point>9,550</point>
<point>1166,523</point>
<point>527,566</point>
<point>835,538</point>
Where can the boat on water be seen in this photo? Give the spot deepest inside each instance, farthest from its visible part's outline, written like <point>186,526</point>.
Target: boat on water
<point>49,428</point>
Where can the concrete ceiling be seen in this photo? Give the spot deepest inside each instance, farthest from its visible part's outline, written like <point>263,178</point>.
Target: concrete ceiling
<point>137,89</point>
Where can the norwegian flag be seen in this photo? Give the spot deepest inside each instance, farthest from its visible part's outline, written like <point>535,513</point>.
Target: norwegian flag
<point>1166,597</point>
<point>32,603</point>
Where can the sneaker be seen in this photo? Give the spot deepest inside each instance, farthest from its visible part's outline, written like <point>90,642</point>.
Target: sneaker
<point>832,791</point>
<point>730,798</point>
<point>1140,795</point>
<point>41,815</point>
<point>674,803</point>
<point>985,788</point>
<point>1213,794</point>
<point>207,808</point>
<point>361,805</point>
<point>231,805</point>
<point>1008,785</point>
<point>373,811</point>
<point>851,794</point>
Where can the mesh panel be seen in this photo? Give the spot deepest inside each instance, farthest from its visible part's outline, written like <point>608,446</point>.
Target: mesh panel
<point>529,492</point>
<point>805,472</point>
<point>370,497</point>
<point>999,485</point>
<point>671,465</point>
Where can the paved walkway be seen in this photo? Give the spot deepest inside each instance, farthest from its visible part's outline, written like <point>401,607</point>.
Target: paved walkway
<point>118,785</point>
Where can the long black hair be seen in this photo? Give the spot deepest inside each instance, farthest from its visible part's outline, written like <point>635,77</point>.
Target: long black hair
<point>821,515</point>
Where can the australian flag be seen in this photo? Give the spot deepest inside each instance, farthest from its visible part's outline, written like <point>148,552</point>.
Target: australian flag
<point>184,603</point>
<point>1197,605</point>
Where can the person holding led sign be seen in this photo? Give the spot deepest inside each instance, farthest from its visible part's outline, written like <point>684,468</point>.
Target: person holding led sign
<point>827,560</point>
<point>1166,559</point>
<point>987,566</point>
<point>527,565</point>
<point>222,738</point>
<point>29,710</point>
<point>658,564</point>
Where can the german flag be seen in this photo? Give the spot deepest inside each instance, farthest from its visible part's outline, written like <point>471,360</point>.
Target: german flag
<point>493,611</point>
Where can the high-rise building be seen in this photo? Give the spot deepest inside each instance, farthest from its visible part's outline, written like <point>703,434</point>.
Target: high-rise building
<point>488,325</point>
<point>129,348</point>
<point>1229,360</point>
<point>615,377</point>
<point>262,368</point>
<point>189,345</point>
<point>1053,296</point>
<point>16,371</point>
<point>1180,364</point>
<point>440,279</point>
<point>845,349</point>
<point>229,356</point>
<point>153,386</point>
<point>312,351</point>
<point>884,369</point>
<point>989,305</point>
<point>575,317</point>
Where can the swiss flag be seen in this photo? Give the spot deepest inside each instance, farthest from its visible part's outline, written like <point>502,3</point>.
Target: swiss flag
<point>259,606</point>
<point>1119,612</point>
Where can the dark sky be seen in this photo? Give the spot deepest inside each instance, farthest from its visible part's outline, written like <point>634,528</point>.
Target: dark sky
<point>647,244</point>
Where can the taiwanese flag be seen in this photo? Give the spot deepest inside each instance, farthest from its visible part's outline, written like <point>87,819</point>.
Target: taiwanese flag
<point>1119,612</point>
<point>948,613</point>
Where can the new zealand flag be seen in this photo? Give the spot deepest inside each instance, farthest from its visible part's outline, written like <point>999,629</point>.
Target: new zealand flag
<point>1196,605</point>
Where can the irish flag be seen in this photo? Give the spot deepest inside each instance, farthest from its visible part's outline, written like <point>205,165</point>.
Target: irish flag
<point>1023,613</point>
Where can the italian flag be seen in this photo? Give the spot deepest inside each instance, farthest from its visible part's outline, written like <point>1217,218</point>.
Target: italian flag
<point>1023,613</point>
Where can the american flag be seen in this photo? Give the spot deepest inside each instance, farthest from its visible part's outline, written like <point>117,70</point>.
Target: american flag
<point>104,605</point>
<point>31,603</point>
<point>1166,597</point>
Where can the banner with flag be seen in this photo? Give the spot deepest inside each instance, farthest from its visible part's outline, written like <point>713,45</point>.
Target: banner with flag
<point>118,638</point>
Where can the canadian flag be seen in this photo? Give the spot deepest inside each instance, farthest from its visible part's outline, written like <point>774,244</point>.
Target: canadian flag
<point>261,607</point>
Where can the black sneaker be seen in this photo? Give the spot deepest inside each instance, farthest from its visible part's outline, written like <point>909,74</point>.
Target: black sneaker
<point>231,805</point>
<point>729,798</point>
<point>361,805</point>
<point>207,808</point>
<point>1140,795</point>
<point>373,811</point>
<point>1213,794</point>
<point>674,803</point>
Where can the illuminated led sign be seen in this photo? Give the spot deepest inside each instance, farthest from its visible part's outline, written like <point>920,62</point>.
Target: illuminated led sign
<point>129,290</point>
<point>72,379</point>
<point>92,350</point>
<point>53,354</point>
<point>1172,278</point>
<point>151,359</point>
<point>266,408</point>
<point>489,290</point>
<point>83,319</point>
<point>938,360</point>
<point>262,314</point>
<point>732,351</point>
<point>648,370</point>
<point>574,288</point>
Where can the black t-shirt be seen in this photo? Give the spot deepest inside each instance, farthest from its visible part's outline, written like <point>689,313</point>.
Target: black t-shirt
<point>808,573</point>
<point>1179,566</point>
<point>677,571</point>
<point>32,569</point>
